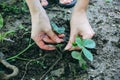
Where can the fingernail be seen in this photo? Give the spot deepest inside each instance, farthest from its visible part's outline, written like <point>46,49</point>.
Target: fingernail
<point>51,47</point>
<point>58,40</point>
<point>67,47</point>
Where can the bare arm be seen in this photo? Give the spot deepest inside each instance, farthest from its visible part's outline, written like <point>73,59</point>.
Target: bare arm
<point>35,6</point>
<point>79,24</point>
<point>41,29</point>
<point>81,5</point>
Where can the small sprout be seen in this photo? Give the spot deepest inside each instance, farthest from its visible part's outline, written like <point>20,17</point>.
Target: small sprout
<point>22,27</point>
<point>59,30</point>
<point>1,21</point>
<point>4,35</point>
<point>83,44</point>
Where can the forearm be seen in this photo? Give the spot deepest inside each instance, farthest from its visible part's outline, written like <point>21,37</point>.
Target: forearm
<point>35,6</point>
<point>39,17</point>
<point>81,5</point>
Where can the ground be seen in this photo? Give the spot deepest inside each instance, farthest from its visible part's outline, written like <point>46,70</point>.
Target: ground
<point>37,64</point>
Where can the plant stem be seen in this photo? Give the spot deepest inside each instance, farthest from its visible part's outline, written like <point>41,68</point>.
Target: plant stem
<point>16,56</point>
<point>24,59</point>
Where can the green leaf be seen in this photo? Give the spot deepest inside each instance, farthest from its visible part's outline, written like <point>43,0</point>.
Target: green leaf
<point>89,43</point>
<point>87,54</point>
<point>10,32</point>
<point>1,21</point>
<point>74,44</point>
<point>108,1</point>
<point>76,55</point>
<point>21,26</point>
<point>1,37</point>
<point>59,30</point>
<point>79,42</point>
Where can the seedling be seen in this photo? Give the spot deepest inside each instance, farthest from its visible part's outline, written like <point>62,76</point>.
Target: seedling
<point>21,27</point>
<point>83,44</point>
<point>59,30</point>
<point>4,35</point>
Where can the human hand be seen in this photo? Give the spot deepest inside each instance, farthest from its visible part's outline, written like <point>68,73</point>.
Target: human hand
<point>42,32</point>
<point>79,26</point>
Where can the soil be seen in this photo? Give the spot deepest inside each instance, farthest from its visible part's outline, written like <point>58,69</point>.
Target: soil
<point>36,64</point>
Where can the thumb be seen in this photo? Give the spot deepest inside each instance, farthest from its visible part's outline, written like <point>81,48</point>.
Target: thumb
<point>53,36</point>
<point>88,36</point>
<point>71,40</point>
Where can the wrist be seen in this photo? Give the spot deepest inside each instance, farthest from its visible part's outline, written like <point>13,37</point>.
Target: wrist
<point>35,7</point>
<point>81,11</point>
<point>81,14</point>
<point>81,5</point>
<point>38,13</point>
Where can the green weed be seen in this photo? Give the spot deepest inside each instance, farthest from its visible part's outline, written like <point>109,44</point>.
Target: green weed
<point>21,27</point>
<point>6,8</point>
<point>1,21</point>
<point>4,35</point>
<point>22,7</point>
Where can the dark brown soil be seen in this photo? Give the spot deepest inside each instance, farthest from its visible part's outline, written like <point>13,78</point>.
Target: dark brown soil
<point>105,20</point>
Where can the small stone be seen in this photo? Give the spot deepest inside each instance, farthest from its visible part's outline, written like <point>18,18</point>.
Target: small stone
<point>57,72</point>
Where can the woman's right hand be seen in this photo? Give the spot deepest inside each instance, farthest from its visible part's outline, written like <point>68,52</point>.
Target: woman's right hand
<point>42,32</point>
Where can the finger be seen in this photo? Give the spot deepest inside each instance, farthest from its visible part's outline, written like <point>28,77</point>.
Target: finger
<point>61,35</point>
<point>88,35</point>
<point>41,44</point>
<point>74,48</point>
<point>47,39</point>
<point>53,36</point>
<point>71,40</point>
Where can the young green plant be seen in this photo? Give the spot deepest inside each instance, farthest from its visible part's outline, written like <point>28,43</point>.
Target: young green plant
<point>4,35</point>
<point>83,44</point>
<point>1,21</point>
<point>58,30</point>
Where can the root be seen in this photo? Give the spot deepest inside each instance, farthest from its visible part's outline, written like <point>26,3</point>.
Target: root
<point>5,76</point>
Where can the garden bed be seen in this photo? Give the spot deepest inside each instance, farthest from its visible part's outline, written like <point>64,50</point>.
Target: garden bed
<point>36,64</point>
